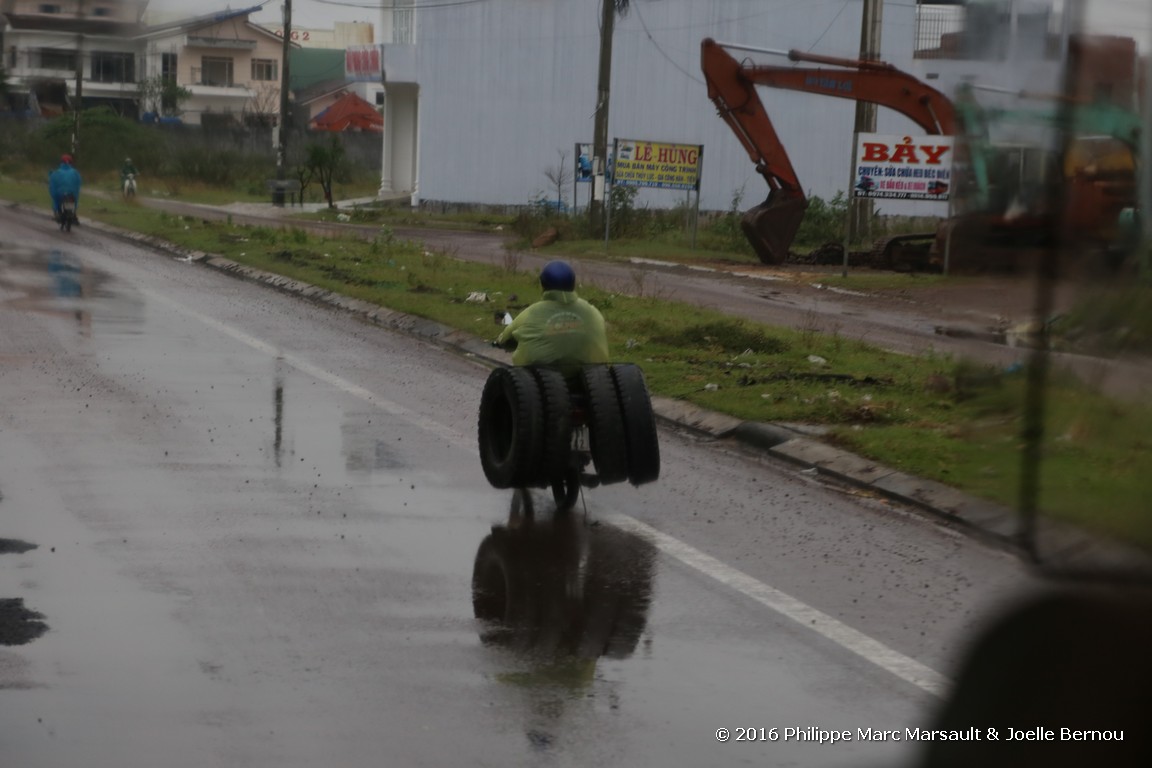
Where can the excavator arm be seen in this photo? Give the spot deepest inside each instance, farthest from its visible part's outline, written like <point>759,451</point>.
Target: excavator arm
<point>771,226</point>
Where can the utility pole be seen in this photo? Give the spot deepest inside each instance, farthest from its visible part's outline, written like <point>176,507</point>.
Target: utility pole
<point>1144,198</point>
<point>600,133</point>
<point>78,106</point>
<point>282,135</point>
<point>860,209</point>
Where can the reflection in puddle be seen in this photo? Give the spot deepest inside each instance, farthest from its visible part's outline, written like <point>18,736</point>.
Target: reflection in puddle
<point>58,282</point>
<point>556,589</point>
<point>365,449</point>
<point>361,436</point>
<point>558,594</point>
<point>278,414</point>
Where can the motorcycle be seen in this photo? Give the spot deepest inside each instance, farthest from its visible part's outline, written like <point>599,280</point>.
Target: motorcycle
<point>129,185</point>
<point>540,429</point>
<point>67,213</point>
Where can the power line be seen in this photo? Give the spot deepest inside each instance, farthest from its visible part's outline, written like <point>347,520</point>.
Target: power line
<point>830,25</point>
<point>415,5</point>
<point>667,58</point>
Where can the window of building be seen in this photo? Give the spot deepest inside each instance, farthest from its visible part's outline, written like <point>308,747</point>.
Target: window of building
<point>52,58</point>
<point>403,21</point>
<point>110,67</point>
<point>49,8</point>
<point>216,70</point>
<point>264,69</point>
<point>402,32</point>
<point>101,11</point>
<point>379,98</point>
<point>168,63</point>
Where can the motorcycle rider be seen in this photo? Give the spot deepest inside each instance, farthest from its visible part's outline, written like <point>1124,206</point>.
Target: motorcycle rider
<point>64,181</point>
<point>560,329</point>
<point>126,169</point>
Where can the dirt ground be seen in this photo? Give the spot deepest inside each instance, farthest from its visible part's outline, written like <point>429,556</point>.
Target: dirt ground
<point>995,299</point>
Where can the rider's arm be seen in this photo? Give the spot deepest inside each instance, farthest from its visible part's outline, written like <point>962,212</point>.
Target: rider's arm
<point>508,338</point>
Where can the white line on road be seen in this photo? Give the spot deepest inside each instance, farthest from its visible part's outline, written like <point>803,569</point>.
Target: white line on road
<point>862,645</point>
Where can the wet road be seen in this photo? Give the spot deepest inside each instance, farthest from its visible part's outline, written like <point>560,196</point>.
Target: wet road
<point>257,525</point>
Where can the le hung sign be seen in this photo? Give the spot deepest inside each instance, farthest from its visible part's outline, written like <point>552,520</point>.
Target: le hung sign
<point>903,167</point>
<point>656,164</point>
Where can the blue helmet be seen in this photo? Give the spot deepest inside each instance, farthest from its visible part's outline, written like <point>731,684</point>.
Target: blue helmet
<point>557,276</point>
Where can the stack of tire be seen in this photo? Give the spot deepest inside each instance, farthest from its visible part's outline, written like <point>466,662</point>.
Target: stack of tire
<point>525,429</point>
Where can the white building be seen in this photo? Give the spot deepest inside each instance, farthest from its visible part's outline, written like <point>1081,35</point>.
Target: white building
<point>481,97</point>
<point>486,94</point>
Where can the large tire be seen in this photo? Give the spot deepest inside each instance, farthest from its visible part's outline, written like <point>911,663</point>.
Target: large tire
<point>639,424</point>
<point>511,429</point>
<point>605,424</point>
<point>556,457</point>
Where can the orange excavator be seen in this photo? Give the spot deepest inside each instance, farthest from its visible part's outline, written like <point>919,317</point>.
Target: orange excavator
<point>771,226</point>
<point>981,233</point>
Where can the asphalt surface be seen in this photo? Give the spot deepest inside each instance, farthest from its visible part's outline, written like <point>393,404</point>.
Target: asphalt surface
<point>1058,546</point>
<point>255,520</point>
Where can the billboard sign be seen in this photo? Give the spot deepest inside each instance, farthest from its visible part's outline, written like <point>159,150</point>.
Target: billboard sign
<point>584,170</point>
<point>583,163</point>
<point>903,167</point>
<point>656,164</point>
<point>364,63</point>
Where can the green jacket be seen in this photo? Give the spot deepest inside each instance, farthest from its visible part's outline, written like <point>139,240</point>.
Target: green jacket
<point>561,329</point>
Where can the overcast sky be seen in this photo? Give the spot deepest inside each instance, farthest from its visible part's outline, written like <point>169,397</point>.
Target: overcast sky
<point>1115,17</point>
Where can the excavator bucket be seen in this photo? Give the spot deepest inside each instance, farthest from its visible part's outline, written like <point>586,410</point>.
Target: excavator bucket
<point>771,226</point>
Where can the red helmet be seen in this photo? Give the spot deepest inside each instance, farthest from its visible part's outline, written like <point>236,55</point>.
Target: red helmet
<point>66,159</point>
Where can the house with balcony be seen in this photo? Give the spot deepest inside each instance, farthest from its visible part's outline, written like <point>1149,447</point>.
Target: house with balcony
<point>63,53</point>
<point>53,46</point>
<point>231,66</point>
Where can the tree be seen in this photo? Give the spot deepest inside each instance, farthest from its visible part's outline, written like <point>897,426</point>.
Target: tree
<point>560,176</point>
<point>262,108</point>
<point>323,162</point>
<point>161,95</point>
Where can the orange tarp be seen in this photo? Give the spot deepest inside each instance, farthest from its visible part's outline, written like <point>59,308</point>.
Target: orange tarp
<point>349,112</point>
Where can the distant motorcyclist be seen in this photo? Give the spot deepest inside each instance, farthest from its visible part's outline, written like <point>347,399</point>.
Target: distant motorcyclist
<point>62,182</point>
<point>560,329</point>
<point>126,170</point>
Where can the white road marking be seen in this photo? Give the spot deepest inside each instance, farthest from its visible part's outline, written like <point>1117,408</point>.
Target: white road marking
<point>862,645</point>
